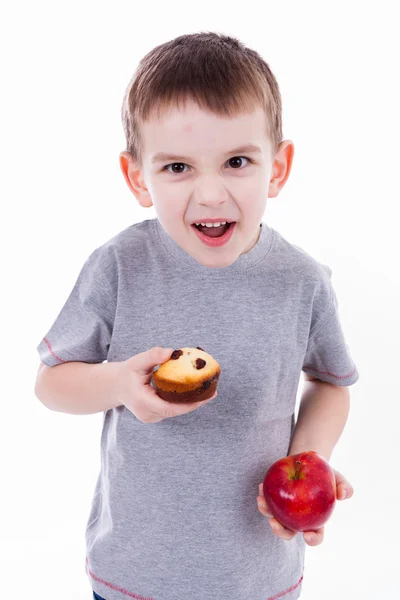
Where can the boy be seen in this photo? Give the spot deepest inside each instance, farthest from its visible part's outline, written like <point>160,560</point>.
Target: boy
<point>174,514</point>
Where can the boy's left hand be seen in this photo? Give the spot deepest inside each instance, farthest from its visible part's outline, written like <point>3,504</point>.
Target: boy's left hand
<point>344,489</point>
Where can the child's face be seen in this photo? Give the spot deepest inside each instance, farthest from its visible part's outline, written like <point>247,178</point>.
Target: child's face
<point>207,173</point>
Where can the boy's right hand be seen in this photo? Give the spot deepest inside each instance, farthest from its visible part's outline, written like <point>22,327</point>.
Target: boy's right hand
<point>134,390</point>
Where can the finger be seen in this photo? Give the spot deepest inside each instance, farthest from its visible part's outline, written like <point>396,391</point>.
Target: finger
<point>145,362</point>
<point>282,532</point>
<point>164,409</point>
<point>154,408</point>
<point>314,538</point>
<point>263,506</point>
<point>344,489</point>
<point>276,526</point>
<point>262,503</point>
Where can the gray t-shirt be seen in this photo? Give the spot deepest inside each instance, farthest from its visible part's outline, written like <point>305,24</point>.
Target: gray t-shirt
<point>174,514</point>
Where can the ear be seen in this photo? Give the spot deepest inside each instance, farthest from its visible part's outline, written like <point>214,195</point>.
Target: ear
<point>281,168</point>
<point>134,178</point>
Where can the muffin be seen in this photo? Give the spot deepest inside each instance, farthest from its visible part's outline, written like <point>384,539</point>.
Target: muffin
<point>190,375</point>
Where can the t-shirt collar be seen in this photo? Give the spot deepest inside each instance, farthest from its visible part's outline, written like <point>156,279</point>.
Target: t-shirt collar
<point>244,262</point>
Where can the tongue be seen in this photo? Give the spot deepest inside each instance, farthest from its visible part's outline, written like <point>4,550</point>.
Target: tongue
<point>214,231</point>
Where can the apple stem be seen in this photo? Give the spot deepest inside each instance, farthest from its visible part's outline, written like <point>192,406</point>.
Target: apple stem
<point>297,473</point>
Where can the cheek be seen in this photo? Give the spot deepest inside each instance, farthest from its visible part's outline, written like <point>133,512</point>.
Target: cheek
<point>258,186</point>
<point>253,184</point>
<point>169,201</point>
<point>251,193</point>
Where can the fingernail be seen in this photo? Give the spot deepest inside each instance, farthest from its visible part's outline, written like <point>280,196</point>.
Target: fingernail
<point>344,494</point>
<point>308,538</point>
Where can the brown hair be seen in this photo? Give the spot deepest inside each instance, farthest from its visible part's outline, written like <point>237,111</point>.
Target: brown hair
<point>217,71</point>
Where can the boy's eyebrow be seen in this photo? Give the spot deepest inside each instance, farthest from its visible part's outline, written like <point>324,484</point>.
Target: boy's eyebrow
<point>164,156</point>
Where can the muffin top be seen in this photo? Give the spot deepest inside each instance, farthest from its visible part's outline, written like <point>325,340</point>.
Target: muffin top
<point>187,365</point>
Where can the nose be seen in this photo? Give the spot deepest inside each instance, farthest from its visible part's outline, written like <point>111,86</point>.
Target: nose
<point>211,192</point>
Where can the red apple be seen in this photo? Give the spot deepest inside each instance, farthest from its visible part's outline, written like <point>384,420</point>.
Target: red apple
<point>301,491</point>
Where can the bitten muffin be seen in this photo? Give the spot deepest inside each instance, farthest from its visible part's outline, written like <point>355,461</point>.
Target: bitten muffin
<point>190,375</point>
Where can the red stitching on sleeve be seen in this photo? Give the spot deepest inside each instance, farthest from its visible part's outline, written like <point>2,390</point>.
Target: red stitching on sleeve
<point>287,591</point>
<point>329,373</point>
<point>53,353</point>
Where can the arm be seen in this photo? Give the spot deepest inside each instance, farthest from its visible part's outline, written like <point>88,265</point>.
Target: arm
<point>81,388</point>
<point>323,413</point>
<point>77,388</point>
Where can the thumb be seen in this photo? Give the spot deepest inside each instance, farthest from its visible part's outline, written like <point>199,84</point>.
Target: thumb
<point>262,503</point>
<point>145,362</point>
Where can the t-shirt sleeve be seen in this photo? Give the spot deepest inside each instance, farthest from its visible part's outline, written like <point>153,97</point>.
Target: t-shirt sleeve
<point>328,356</point>
<point>82,330</point>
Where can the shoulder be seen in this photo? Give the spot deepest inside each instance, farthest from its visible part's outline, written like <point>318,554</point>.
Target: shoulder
<point>122,253</point>
<point>135,236</point>
<point>301,267</point>
<point>131,245</point>
<point>291,256</point>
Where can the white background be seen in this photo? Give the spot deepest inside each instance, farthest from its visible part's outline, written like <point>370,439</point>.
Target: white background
<point>65,69</point>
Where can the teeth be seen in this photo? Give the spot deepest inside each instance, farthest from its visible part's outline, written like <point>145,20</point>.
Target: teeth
<point>212,224</point>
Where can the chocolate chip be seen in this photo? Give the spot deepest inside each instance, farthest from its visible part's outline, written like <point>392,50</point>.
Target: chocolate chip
<point>198,348</point>
<point>176,354</point>
<point>200,363</point>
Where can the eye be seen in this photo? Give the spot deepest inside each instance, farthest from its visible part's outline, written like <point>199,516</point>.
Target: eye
<point>166,168</point>
<point>233,160</point>
<point>237,161</point>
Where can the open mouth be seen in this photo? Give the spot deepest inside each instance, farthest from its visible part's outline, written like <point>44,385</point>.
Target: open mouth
<point>214,230</point>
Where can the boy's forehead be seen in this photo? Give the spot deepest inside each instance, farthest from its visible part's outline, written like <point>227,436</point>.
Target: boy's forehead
<point>188,114</point>
<point>174,128</point>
